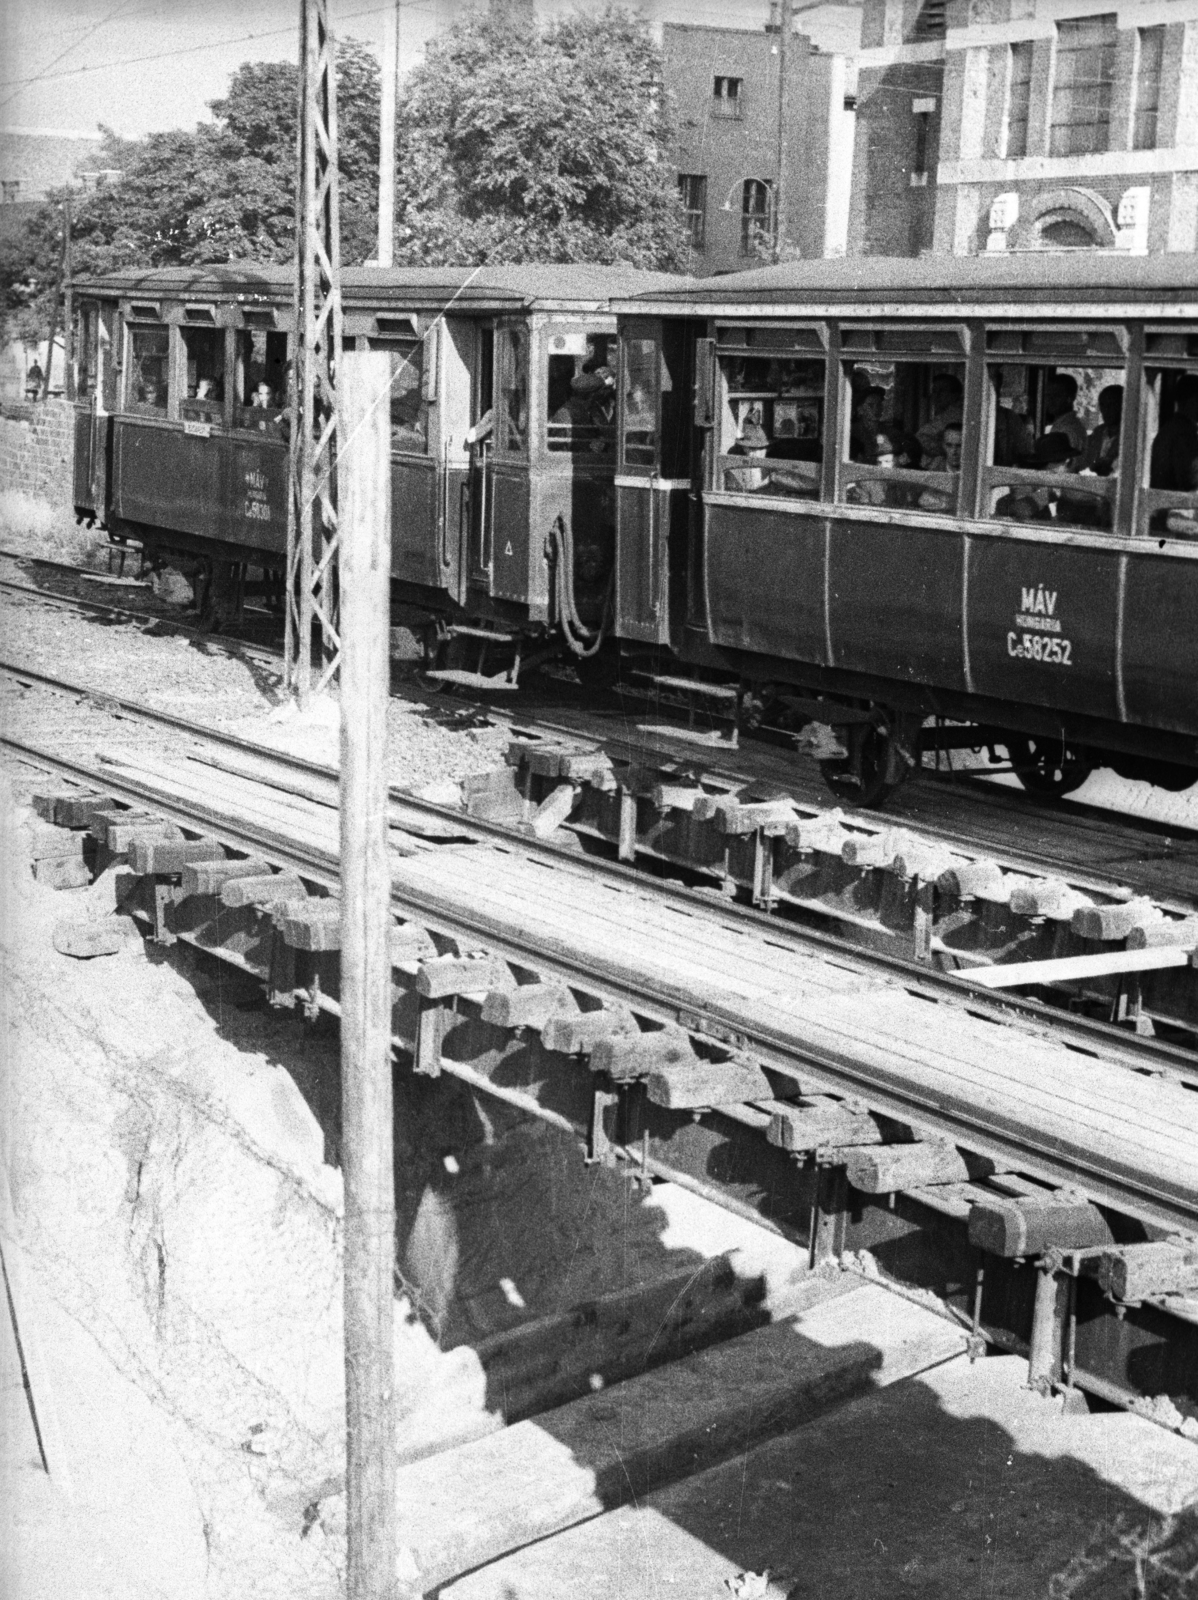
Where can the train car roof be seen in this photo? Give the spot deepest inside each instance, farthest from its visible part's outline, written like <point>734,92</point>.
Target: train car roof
<point>1087,281</point>
<point>534,286</point>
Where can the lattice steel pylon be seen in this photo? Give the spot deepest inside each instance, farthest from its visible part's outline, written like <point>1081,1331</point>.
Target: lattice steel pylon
<point>312,534</point>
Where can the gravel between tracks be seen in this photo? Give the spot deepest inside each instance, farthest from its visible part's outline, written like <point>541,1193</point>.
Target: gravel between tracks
<point>201,680</point>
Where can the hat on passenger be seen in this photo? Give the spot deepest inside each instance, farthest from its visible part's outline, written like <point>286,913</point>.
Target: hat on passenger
<point>753,437</point>
<point>1053,449</point>
<point>593,382</point>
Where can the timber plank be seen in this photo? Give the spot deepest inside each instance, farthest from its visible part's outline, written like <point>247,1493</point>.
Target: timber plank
<point>970,1039</point>
<point>1005,1077</point>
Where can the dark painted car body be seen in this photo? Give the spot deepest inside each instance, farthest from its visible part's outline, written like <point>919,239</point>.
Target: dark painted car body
<point>1083,632</point>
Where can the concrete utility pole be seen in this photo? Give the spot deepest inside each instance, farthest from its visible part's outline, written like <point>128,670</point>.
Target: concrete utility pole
<point>367,1161</point>
<point>316,352</point>
<point>785,24</point>
<point>390,89</point>
<point>339,575</point>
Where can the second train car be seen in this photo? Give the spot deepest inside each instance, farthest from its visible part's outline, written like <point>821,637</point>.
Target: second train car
<point>924,503</point>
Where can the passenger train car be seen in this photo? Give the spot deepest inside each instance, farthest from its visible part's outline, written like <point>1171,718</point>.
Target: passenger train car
<point>939,503</point>
<point>502,422</point>
<point>945,502</point>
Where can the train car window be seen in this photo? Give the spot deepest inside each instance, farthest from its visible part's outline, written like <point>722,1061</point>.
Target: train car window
<point>581,394</point>
<point>641,374</point>
<point>87,352</point>
<point>1169,452</point>
<point>204,350</point>
<point>149,370</point>
<point>409,408</point>
<point>1052,437</point>
<point>513,410</point>
<point>771,423</point>
<point>106,364</point>
<point>260,381</point>
<point>902,440</point>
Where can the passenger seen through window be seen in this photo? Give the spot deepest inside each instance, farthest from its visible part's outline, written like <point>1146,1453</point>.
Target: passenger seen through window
<point>904,435</point>
<point>1171,499</point>
<point>260,381</point>
<point>204,349</point>
<point>1053,452</point>
<point>581,397</point>
<point>409,408</point>
<point>773,413</point>
<point>513,433</point>
<point>149,367</point>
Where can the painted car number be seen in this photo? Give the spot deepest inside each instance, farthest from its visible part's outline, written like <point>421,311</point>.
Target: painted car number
<point>1042,639</point>
<point>1032,647</point>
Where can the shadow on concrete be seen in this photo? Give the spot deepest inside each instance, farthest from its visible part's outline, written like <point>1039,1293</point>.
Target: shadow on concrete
<point>955,1484</point>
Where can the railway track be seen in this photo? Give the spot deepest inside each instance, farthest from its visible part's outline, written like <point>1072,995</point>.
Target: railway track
<point>853,912</point>
<point>295,782</point>
<point>313,781</point>
<point>754,1061</point>
<point>990,925</point>
<point>1096,849</point>
<point>159,616</point>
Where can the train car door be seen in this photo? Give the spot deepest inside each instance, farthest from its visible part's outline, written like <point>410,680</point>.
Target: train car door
<point>481,439</point>
<point>506,529</point>
<point>95,387</point>
<point>653,482</point>
<point>416,494</point>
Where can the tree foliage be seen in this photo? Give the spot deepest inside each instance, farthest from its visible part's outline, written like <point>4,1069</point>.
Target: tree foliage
<point>519,145</point>
<point>222,192</point>
<point>513,144</point>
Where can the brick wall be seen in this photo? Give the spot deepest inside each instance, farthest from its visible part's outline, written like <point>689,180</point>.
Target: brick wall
<point>37,450</point>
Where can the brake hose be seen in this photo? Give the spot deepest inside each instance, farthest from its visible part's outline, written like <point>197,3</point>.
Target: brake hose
<point>560,551</point>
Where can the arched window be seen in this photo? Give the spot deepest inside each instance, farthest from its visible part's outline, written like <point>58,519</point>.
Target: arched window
<point>1066,233</point>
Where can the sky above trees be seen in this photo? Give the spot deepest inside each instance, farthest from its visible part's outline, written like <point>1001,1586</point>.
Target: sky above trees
<point>145,65</point>
<point>514,143</point>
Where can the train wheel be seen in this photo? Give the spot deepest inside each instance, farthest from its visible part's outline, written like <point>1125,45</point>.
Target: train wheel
<point>874,767</point>
<point>1048,767</point>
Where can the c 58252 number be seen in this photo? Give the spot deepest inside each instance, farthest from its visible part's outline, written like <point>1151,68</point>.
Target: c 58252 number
<point>1036,647</point>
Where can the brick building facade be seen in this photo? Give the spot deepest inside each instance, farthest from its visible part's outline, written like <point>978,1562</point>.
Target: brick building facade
<point>37,451</point>
<point>735,153</point>
<point>1026,124</point>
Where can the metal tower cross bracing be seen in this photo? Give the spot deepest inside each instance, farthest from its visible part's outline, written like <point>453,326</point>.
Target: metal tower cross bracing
<point>312,533</point>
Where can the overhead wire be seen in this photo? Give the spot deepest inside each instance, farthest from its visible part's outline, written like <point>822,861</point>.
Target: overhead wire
<point>46,76</point>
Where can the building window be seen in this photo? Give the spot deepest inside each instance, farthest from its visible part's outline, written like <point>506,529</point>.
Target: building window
<point>692,186</point>
<point>10,190</point>
<point>923,110</point>
<point>1150,53</point>
<point>758,219</point>
<point>1084,79</point>
<point>727,97</point>
<point>932,21</point>
<point>1019,97</point>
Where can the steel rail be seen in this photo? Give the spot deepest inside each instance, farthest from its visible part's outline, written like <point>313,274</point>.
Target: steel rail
<point>988,1133</point>
<point>677,746</point>
<point>153,618</point>
<point>1098,1038</point>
